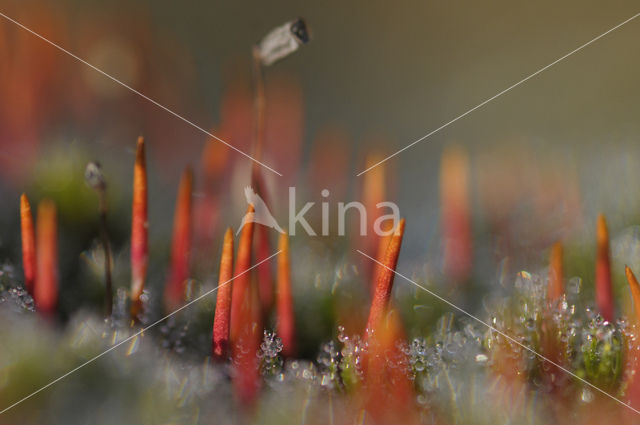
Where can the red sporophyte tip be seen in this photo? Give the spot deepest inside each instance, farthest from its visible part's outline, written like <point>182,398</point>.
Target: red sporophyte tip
<point>284,304</point>
<point>29,262</point>
<point>139,229</point>
<point>388,392</point>
<point>385,274</point>
<point>243,278</point>
<point>635,291</point>
<point>383,243</point>
<point>220,349</point>
<point>604,287</point>
<point>246,376</point>
<point>456,215</point>
<point>632,381</point>
<point>180,244</point>
<point>46,285</point>
<point>555,289</point>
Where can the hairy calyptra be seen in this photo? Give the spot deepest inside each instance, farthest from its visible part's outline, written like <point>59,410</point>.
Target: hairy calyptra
<point>220,349</point>
<point>139,229</point>
<point>29,261</point>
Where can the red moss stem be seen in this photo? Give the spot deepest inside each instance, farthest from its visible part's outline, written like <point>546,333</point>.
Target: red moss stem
<point>139,230</point>
<point>635,291</point>
<point>284,304</point>
<point>46,286</point>
<point>555,288</point>
<point>388,393</point>
<point>604,287</point>
<point>181,244</point>
<point>29,261</point>
<point>456,216</point>
<point>220,349</point>
<point>246,377</point>
<point>241,282</point>
<point>385,275</point>
<point>632,383</point>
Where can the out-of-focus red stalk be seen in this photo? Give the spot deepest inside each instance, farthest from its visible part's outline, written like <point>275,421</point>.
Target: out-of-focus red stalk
<point>46,285</point>
<point>29,262</point>
<point>456,215</point>
<point>214,164</point>
<point>139,229</point>
<point>262,246</point>
<point>242,281</point>
<point>551,347</point>
<point>385,275</point>
<point>265,274</point>
<point>374,191</point>
<point>388,392</point>
<point>555,289</point>
<point>246,377</point>
<point>633,357</point>
<point>635,291</point>
<point>604,287</point>
<point>222,316</point>
<point>284,303</point>
<point>181,244</point>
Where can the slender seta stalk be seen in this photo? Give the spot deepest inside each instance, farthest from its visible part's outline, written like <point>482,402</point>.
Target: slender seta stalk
<point>220,349</point>
<point>46,287</point>
<point>284,303</point>
<point>139,230</point>
<point>95,179</point>
<point>385,275</point>
<point>456,215</point>
<point>180,244</point>
<point>635,291</point>
<point>604,287</point>
<point>246,375</point>
<point>29,261</point>
<point>242,282</point>
<point>555,288</point>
